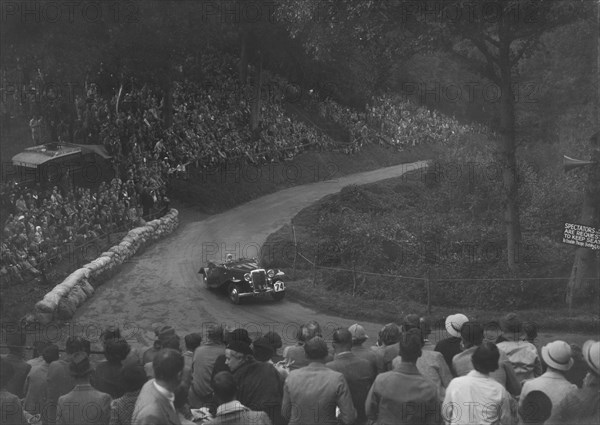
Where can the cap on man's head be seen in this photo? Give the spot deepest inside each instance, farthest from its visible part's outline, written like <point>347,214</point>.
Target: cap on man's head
<point>358,332</point>
<point>262,349</point>
<point>511,324</point>
<point>316,348</point>
<point>241,347</point>
<point>411,321</point>
<point>274,339</point>
<point>239,334</point>
<point>342,336</point>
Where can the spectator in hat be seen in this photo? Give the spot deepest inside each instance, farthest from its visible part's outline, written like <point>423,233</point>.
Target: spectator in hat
<point>16,341</point>
<point>295,354</point>
<point>479,391</point>
<point>10,406</point>
<point>259,385</point>
<point>359,373</point>
<point>107,376</point>
<point>121,409</point>
<point>60,380</point>
<point>275,340</point>
<point>557,357</point>
<point>359,337</point>
<point>167,339</point>
<point>37,379</point>
<point>230,410</point>
<point>430,364</point>
<point>403,395</point>
<point>535,408</point>
<point>472,335</point>
<point>582,406</point>
<point>155,404</point>
<point>579,370</point>
<point>237,335</point>
<point>163,334</point>
<point>205,356</point>
<point>315,385</point>
<point>523,355</point>
<point>450,346</point>
<point>37,358</point>
<point>263,351</point>
<point>73,407</point>
<point>192,341</point>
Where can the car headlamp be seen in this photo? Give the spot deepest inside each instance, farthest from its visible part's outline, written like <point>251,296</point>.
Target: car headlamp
<point>247,277</point>
<point>270,272</point>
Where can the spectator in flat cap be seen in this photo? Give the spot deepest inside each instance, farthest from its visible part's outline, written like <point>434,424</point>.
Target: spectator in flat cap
<point>107,376</point>
<point>430,364</point>
<point>450,346</point>
<point>36,382</point>
<point>230,410</point>
<point>479,391</point>
<point>154,405</point>
<point>582,406</point>
<point>203,363</point>
<point>472,335</point>
<point>535,408</point>
<point>15,340</point>
<point>259,384</point>
<point>311,393</point>
<point>73,408</point>
<point>396,393</point>
<point>10,406</point>
<point>60,381</point>
<point>523,355</point>
<point>359,336</point>
<point>121,409</point>
<point>359,373</point>
<point>295,354</point>
<point>557,357</point>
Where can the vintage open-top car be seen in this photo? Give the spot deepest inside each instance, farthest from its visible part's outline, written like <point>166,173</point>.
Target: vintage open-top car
<point>243,278</point>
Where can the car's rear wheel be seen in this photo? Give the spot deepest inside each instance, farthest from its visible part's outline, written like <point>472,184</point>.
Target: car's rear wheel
<point>234,293</point>
<point>204,280</point>
<point>278,296</point>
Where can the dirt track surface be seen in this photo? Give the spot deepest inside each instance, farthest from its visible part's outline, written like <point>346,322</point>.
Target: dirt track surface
<point>161,284</point>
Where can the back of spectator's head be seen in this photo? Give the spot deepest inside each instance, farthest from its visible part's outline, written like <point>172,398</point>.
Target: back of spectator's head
<point>309,330</point>
<point>342,338</point>
<point>86,345</point>
<point>390,334</point>
<point>50,353</point>
<point>471,334</point>
<point>38,347</point>
<point>359,334</point>
<point>167,365</point>
<point>485,358</point>
<point>274,339</point>
<point>531,330</point>
<point>7,371</point>
<point>110,333</point>
<point>116,350</point>
<point>239,335</point>
<point>74,344</point>
<point>214,333</point>
<point>454,324</point>
<point>192,341</point>
<point>410,344</point>
<point>134,377</point>
<point>511,324</point>
<point>411,321</point>
<point>535,408</point>
<point>262,349</point>
<point>224,387</point>
<point>316,348</point>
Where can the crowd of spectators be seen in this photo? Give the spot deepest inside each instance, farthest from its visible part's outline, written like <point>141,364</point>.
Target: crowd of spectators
<point>474,375</point>
<point>44,226</point>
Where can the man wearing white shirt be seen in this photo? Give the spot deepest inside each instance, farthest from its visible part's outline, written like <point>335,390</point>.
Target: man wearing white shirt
<point>477,398</point>
<point>154,405</point>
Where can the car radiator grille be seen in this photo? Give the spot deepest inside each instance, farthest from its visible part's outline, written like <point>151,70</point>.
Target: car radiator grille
<point>259,278</point>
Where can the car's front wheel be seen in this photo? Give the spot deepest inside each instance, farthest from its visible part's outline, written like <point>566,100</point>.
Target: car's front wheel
<point>204,280</point>
<point>234,293</point>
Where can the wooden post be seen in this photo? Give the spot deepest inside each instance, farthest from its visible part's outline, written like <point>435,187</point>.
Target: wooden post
<point>314,276</point>
<point>428,284</point>
<point>353,278</point>
<point>295,252</point>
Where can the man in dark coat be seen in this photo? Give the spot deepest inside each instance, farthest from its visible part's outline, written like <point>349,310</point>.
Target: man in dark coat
<point>15,341</point>
<point>450,347</point>
<point>259,385</point>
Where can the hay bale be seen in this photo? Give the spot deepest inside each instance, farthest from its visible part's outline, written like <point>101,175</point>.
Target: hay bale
<point>44,318</point>
<point>78,294</point>
<point>86,287</point>
<point>66,309</point>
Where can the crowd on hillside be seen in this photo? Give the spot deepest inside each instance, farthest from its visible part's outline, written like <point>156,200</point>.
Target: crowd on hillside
<point>474,375</point>
<point>42,226</point>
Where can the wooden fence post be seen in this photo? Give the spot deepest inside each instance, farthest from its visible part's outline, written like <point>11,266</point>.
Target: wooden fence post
<point>295,252</point>
<point>428,285</point>
<point>314,276</point>
<point>353,278</point>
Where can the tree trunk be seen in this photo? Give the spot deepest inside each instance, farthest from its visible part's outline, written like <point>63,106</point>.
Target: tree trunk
<point>255,117</point>
<point>243,56</point>
<point>584,267</point>
<point>509,161</point>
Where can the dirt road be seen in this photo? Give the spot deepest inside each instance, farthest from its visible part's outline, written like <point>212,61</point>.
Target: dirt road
<point>161,285</point>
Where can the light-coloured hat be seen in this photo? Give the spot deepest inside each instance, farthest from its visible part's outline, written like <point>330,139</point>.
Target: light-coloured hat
<point>557,355</point>
<point>358,332</point>
<point>454,323</point>
<point>591,354</point>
